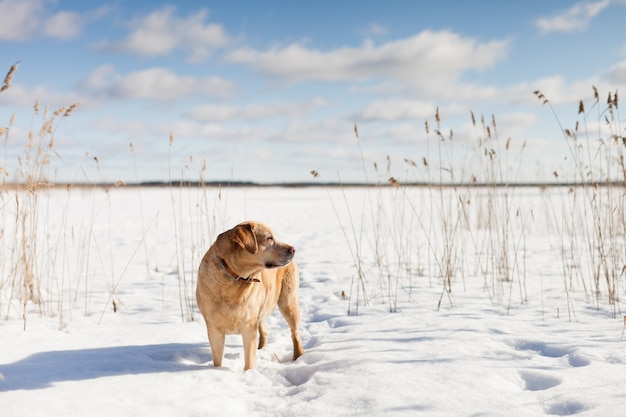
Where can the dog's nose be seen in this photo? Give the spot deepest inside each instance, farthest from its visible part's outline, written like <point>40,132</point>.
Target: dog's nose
<point>292,250</point>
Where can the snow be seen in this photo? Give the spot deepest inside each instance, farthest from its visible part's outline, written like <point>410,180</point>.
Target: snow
<point>523,347</point>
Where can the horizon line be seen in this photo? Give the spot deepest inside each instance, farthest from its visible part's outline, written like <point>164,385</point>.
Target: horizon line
<point>303,184</point>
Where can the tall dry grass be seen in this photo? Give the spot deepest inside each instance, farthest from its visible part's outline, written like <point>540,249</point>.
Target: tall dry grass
<point>451,221</point>
<point>32,254</point>
<point>462,223</point>
<point>56,252</point>
<point>594,226</point>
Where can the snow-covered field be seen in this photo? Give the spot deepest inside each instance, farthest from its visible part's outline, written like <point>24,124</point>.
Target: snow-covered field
<point>117,332</point>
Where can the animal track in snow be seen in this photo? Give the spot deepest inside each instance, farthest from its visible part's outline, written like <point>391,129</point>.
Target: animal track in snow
<point>566,408</point>
<point>574,358</point>
<point>536,381</point>
<point>540,380</point>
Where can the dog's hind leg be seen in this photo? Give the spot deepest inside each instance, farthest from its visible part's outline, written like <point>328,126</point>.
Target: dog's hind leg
<point>288,305</point>
<point>262,334</point>
<point>292,317</point>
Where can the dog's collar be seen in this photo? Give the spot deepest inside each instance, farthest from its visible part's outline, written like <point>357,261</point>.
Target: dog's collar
<point>236,276</point>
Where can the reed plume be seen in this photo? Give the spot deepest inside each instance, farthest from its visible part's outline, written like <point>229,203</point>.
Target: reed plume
<point>9,77</point>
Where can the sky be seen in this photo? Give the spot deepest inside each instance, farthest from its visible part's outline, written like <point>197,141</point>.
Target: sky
<point>270,91</point>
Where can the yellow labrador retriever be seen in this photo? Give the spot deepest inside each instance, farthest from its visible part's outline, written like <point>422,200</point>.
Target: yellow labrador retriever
<point>241,278</point>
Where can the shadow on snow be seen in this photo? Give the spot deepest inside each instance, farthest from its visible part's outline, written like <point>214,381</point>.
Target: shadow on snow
<point>41,370</point>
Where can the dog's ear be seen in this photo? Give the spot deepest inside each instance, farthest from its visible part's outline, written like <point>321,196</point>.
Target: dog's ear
<point>244,236</point>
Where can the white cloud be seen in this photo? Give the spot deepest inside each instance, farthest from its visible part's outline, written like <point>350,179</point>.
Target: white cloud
<point>375,29</point>
<point>19,18</point>
<point>22,96</point>
<point>334,130</point>
<point>155,83</point>
<point>26,19</point>
<point>296,131</point>
<point>617,73</point>
<point>575,18</point>
<point>162,31</point>
<point>63,25</point>
<point>252,112</point>
<point>218,132</point>
<point>117,126</point>
<point>99,79</point>
<point>392,110</point>
<point>555,88</point>
<point>163,84</point>
<point>423,58</point>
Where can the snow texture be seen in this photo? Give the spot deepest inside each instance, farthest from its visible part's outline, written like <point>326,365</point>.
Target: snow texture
<point>482,352</point>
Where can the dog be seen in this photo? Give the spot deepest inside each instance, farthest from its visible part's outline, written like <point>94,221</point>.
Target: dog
<point>241,279</point>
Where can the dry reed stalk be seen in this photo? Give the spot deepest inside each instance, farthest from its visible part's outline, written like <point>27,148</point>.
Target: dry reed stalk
<point>597,218</point>
<point>68,112</point>
<point>9,77</point>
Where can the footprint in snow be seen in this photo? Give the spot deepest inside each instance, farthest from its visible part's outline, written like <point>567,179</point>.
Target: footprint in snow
<point>536,381</point>
<point>574,358</point>
<point>539,381</point>
<point>566,408</point>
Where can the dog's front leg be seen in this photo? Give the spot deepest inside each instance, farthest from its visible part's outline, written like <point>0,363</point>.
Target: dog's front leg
<point>217,340</point>
<point>250,341</point>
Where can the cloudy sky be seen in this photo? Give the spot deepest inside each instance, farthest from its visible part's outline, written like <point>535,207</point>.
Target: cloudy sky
<point>268,91</point>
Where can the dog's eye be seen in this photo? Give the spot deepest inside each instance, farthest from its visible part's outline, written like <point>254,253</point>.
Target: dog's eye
<point>270,239</point>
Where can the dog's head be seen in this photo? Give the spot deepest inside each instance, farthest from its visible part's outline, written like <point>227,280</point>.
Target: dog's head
<point>254,245</point>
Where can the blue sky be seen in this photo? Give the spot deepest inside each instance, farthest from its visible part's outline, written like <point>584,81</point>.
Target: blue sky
<point>268,91</point>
